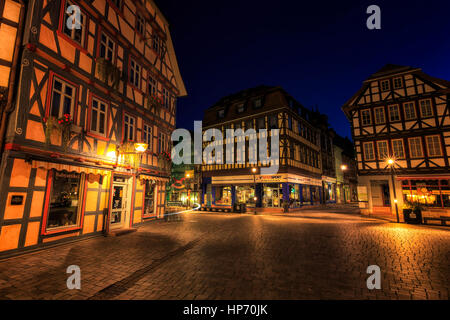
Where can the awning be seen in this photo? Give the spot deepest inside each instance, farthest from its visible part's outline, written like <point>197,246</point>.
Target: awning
<point>93,175</point>
<point>153,178</point>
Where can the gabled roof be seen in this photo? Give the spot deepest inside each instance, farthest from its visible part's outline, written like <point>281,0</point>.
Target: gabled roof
<point>391,69</point>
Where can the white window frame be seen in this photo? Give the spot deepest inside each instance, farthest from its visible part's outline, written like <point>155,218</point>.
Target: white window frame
<point>100,112</point>
<point>129,128</point>
<point>63,95</point>
<point>106,44</point>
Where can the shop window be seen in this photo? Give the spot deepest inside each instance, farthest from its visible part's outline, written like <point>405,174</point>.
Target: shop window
<point>223,196</point>
<point>306,195</point>
<point>273,195</point>
<point>65,200</point>
<point>245,195</point>
<point>429,193</point>
<point>149,198</point>
<point>294,195</point>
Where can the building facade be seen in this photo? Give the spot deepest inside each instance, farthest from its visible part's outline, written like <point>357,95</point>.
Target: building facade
<point>86,146</point>
<point>401,127</point>
<point>299,179</point>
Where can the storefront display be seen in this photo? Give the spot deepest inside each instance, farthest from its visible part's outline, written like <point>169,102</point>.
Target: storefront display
<point>65,200</point>
<point>245,194</point>
<point>149,198</point>
<point>223,196</point>
<point>272,195</point>
<point>433,193</point>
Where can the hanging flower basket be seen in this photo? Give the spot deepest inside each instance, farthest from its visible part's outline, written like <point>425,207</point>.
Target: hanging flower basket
<point>109,72</point>
<point>65,124</point>
<point>165,160</point>
<point>154,101</point>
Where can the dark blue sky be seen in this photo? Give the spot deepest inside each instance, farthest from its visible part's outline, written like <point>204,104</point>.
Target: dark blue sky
<point>319,51</point>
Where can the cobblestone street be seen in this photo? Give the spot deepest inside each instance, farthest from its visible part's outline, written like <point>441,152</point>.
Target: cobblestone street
<point>311,255</point>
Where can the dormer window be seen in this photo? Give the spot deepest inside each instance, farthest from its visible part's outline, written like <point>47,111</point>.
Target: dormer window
<point>385,85</point>
<point>240,108</point>
<point>257,103</point>
<point>221,114</point>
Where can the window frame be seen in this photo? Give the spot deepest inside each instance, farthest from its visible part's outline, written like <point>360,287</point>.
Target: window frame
<point>403,149</point>
<point>375,115</point>
<point>387,150</point>
<point>422,155</point>
<point>441,154</point>
<point>394,83</point>
<point>108,37</point>
<point>370,117</point>
<point>398,113</point>
<point>431,108</point>
<point>150,144</point>
<point>140,21</point>
<point>82,199</point>
<point>96,133</point>
<point>131,69</point>
<point>126,114</point>
<point>49,101</point>
<point>62,23</point>
<point>388,85</point>
<point>414,108</point>
<point>373,151</point>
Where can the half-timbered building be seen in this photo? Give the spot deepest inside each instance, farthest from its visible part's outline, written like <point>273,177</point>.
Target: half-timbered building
<point>400,121</point>
<point>86,146</point>
<point>299,179</point>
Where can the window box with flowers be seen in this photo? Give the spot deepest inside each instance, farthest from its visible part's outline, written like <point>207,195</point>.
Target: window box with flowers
<point>154,102</point>
<point>61,128</point>
<point>165,161</point>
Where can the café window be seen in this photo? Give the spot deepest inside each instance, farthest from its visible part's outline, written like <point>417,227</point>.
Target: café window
<point>149,198</point>
<point>65,204</point>
<point>429,193</point>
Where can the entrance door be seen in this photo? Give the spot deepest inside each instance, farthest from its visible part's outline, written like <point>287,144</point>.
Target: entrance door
<point>119,205</point>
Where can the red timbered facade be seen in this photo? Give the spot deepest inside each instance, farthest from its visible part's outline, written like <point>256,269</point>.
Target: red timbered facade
<point>95,106</point>
<point>402,114</point>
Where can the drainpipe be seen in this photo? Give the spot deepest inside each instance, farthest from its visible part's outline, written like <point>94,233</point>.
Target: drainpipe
<point>12,78</point>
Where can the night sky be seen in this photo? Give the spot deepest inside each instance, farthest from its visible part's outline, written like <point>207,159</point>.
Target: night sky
<point>319,51</point>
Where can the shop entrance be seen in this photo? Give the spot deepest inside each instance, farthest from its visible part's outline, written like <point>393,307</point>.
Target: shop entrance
<point>120,204</point>
<point>273,195</point>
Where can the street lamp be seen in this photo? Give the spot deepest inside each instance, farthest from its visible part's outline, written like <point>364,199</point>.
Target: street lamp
<point>391,163</point>
<point>254,171</point>
<point>344,168</point>
<point>188,188</point>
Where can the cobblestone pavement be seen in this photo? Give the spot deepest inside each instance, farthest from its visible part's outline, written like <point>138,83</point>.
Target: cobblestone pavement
<point>313,255</point>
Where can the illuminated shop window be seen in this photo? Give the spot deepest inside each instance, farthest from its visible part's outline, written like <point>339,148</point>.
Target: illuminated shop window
<point>64,210</point>
<point>149,198</point>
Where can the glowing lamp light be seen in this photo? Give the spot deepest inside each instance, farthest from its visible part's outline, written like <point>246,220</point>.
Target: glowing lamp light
<point>112,154</point>
<point>254,170</point>
<point>395,200</point>
<point>390,162</point>
<point>344,167</point>
<point>188,175</point>
<point>140,147</point>
<point>255,198</point>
